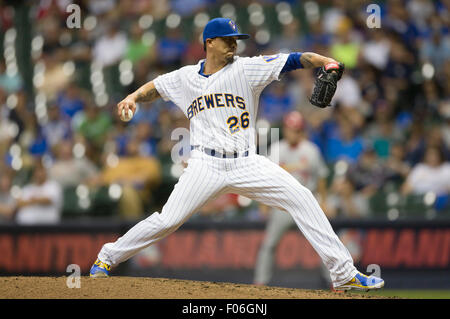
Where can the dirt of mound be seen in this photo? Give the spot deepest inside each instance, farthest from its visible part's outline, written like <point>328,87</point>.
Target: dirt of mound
<point>152,288</point>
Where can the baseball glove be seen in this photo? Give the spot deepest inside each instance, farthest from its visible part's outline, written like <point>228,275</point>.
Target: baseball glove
<point>326,83</point>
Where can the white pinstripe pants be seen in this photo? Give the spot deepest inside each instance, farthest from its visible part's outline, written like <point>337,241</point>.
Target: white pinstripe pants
<point>255,177</point>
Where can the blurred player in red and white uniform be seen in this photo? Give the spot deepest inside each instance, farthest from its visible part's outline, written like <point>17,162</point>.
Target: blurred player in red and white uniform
<point>302,159</point>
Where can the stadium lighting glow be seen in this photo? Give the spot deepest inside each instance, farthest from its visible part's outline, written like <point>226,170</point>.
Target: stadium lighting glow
<point>90,23</point>
<point>173,20</point>
<point>40,110</point>
<point>428,71</point>
<point>257,18</point>
<point>125,65</point>
<point>254,7</point>
<point>285,17</point>
<point>126,72</point>
<point>392,199</point>
<point>99,87</point>
<point>176,170</point>
<point>11,101</point>
<point>340,168</point>
<point>244,201</point>
<point>312,11</point>
<point>126,77</point>
<point>69,68</point>
<point>201,19</point>
<point>283,6</point>
<point>82,191</point>
<point>240,46</point>
<point>10,36</point>
<point>145,21</point>
<point>149,38</point>
<point>115,191</point>
<point>39,67</point>
<point>38,80</point>
<point>393,214</point>
<point>112,160</point>
<point>95,66</point>
<point>78,150</point>
<point>13,130</point>
<point>11,69</point>
<point>96,77</point>
<point>38,77</point>
<point>36,46</point>
<point>429,198</point>
<point>101,99</point>
<point>263,125</point>
<point>15,150</point>
<point>262,37</point>
<point>16,191</point>
<point>40,98</point>
<point>16,163</point>
<point>9,53</point>
<point>43,120</point>
<point>84,203</point>
<point>37,43</point>
<point>228,10</point>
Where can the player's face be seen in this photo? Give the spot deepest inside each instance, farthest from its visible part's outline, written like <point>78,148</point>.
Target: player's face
<point>292,136</point>
<point>225,47</point>
<point>39,175</point>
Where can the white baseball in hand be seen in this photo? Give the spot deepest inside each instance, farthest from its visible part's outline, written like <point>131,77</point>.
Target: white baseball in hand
<point>126,117</point>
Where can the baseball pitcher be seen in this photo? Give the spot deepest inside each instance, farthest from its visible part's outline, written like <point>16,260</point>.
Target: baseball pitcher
<point>220,95</point>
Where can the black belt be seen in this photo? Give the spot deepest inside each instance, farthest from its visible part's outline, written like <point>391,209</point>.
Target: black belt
<point>215,153</point>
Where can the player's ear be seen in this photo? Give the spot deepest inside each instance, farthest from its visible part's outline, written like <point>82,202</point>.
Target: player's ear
<point>208,42</point>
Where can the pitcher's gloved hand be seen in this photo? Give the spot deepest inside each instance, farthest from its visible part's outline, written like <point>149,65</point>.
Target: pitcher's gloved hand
<point>326,83</point>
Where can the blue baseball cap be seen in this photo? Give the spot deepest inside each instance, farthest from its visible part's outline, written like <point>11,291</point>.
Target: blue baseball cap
<point>222,27</point>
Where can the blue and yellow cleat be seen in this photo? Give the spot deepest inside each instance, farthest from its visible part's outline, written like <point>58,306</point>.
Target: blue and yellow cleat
<point>362,282</point>
<point>99,269</point>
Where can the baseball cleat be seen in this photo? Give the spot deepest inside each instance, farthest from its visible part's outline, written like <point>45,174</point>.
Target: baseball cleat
<point>362,282</point>
<point>99,269</point>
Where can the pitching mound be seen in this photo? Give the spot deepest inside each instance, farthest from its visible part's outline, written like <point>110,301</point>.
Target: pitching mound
<point>152,288</point>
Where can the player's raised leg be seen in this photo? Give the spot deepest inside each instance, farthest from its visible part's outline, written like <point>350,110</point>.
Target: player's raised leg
<point>262,180</point>
<point>199,183</point>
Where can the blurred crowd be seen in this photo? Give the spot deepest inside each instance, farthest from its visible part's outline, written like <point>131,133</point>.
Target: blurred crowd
<point>65,153</point>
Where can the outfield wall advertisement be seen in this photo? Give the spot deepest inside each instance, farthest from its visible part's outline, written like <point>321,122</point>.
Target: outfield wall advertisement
<point>217,251</point>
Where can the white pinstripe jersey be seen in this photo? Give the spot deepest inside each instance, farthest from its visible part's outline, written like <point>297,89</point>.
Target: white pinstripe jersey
<point>222,107</point>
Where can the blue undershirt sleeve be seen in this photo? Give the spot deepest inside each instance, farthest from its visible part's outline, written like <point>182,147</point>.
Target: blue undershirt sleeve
<point>293,62</point>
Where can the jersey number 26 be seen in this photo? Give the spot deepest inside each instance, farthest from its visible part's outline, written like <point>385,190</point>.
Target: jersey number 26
<point>234,124</point>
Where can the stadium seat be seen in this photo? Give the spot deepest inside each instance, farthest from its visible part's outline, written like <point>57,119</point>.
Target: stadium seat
<point>378,204</point>
<point>414,206</point>
<point>71,205</point>
<point>98,203</point>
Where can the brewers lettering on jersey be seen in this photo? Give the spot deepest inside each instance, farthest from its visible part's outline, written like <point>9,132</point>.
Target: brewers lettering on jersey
<point>220,95</point>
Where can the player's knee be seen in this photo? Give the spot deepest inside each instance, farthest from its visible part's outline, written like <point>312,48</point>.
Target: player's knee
<point>305,191</point>
<point>163,220</point>
<point>173,223</point>
<point>303,196</point>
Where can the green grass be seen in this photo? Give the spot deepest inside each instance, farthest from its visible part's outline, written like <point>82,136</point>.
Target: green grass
<point>415,294</point>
